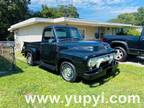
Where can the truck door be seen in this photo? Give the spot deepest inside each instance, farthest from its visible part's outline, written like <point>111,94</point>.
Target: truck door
<point>48,47</point>
<point>141,43</point>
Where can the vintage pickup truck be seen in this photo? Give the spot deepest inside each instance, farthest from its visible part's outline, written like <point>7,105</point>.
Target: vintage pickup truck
<point>64,50</point>
<point>126,45</point>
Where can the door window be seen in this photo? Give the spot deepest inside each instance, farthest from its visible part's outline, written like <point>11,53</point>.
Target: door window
<point>49,35</point>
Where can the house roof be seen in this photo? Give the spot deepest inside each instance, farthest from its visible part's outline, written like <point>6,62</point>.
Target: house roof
<point>75,21</point>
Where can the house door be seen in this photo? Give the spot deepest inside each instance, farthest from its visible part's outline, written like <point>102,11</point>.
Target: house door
<point>99,32</point>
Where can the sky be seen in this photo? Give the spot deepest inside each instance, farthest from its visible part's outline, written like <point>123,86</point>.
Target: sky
<point>98,10</point>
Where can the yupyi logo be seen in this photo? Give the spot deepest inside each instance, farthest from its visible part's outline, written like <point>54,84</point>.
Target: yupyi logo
<point>93,100</point>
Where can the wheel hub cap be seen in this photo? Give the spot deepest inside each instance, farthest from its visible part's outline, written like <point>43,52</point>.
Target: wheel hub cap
<point>119,54</point>
<point>67,72</point>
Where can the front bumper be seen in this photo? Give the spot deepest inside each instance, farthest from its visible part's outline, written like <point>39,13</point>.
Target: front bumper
<point>102,71</point>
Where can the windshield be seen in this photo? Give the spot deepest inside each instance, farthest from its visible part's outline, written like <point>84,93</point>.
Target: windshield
<point>65,32</point>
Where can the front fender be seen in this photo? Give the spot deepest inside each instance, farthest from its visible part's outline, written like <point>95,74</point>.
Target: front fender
<point>79,62</point>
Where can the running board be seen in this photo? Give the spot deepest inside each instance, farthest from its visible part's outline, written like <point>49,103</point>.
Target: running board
<point>51,67</point>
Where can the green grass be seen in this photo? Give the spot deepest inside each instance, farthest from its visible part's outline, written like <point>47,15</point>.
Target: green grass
<point>34,80</point>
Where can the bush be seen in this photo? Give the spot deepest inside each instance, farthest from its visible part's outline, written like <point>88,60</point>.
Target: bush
<point>133,32</point>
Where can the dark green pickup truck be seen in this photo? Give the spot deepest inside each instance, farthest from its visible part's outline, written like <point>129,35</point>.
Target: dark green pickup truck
<point>63,49</point>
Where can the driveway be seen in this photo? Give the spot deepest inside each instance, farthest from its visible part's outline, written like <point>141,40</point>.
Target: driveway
<point>137,61</point>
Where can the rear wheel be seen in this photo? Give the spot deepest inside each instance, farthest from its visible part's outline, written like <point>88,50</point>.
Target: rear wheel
<point>68,71</point>
<point>121,54</point>
<point>30,59</point>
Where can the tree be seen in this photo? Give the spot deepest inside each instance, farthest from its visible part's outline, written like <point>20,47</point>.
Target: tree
<point>133,32</point>
<point>48,12</point>
<point>128,18</point>
<point>61,11</point>
<point>136,18</point>
<point>11,12</point>
<point>140,16</point>
<point>68,11</point>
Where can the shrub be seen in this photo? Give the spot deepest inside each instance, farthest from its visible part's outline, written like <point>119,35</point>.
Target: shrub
<point>133,32</point>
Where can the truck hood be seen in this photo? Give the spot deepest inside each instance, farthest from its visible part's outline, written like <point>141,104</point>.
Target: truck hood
<point>85,48</point>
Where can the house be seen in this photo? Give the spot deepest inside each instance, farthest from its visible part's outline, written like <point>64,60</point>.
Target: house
<point>31,30</point>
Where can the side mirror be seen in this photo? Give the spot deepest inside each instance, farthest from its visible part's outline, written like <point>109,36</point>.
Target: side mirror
<point>51,40</point>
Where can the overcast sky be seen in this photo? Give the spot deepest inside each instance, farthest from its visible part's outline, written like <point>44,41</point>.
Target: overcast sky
<point>99,10</point>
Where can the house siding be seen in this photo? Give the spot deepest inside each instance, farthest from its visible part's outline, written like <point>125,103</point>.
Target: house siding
<point>31,33</point>
<point>89,31</point>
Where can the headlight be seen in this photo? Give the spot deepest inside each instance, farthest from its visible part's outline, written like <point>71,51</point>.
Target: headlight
<point>98,60</point>
<point>92,62</point>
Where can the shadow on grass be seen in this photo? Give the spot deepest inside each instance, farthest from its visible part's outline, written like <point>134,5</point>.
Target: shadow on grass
<point>49,70</point>
<point>8,68</point>
<point>102,80</point>
<point>91,83</point>
<point>135,59</point>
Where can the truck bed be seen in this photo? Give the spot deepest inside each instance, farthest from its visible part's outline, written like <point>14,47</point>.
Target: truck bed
<point>31,45</point>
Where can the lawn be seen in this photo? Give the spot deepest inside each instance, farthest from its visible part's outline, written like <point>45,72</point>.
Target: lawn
<point>34,80</point>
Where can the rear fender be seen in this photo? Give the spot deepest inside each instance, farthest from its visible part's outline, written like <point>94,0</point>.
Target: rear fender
<point>34,53</point>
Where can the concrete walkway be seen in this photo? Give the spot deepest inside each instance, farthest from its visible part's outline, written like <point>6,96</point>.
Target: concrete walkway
<point>136,61</point>
<point>132,63</point>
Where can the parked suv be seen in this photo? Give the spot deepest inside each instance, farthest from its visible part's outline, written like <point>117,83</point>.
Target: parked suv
<point>126,45</point>
<point>63,49</point>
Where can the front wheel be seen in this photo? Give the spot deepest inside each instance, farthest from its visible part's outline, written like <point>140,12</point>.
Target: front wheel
<point>68,71</point>
<point>121,54</point>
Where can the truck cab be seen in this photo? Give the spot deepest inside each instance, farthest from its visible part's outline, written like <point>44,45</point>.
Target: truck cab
<point>53,37</point>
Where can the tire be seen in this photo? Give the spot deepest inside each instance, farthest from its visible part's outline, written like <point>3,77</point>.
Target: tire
<point>30,59</point>
<point>68,71</point>
<point>121,54</point>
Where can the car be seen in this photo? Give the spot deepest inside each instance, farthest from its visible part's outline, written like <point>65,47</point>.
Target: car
<point>126,45</point>
<point>63,49</point>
